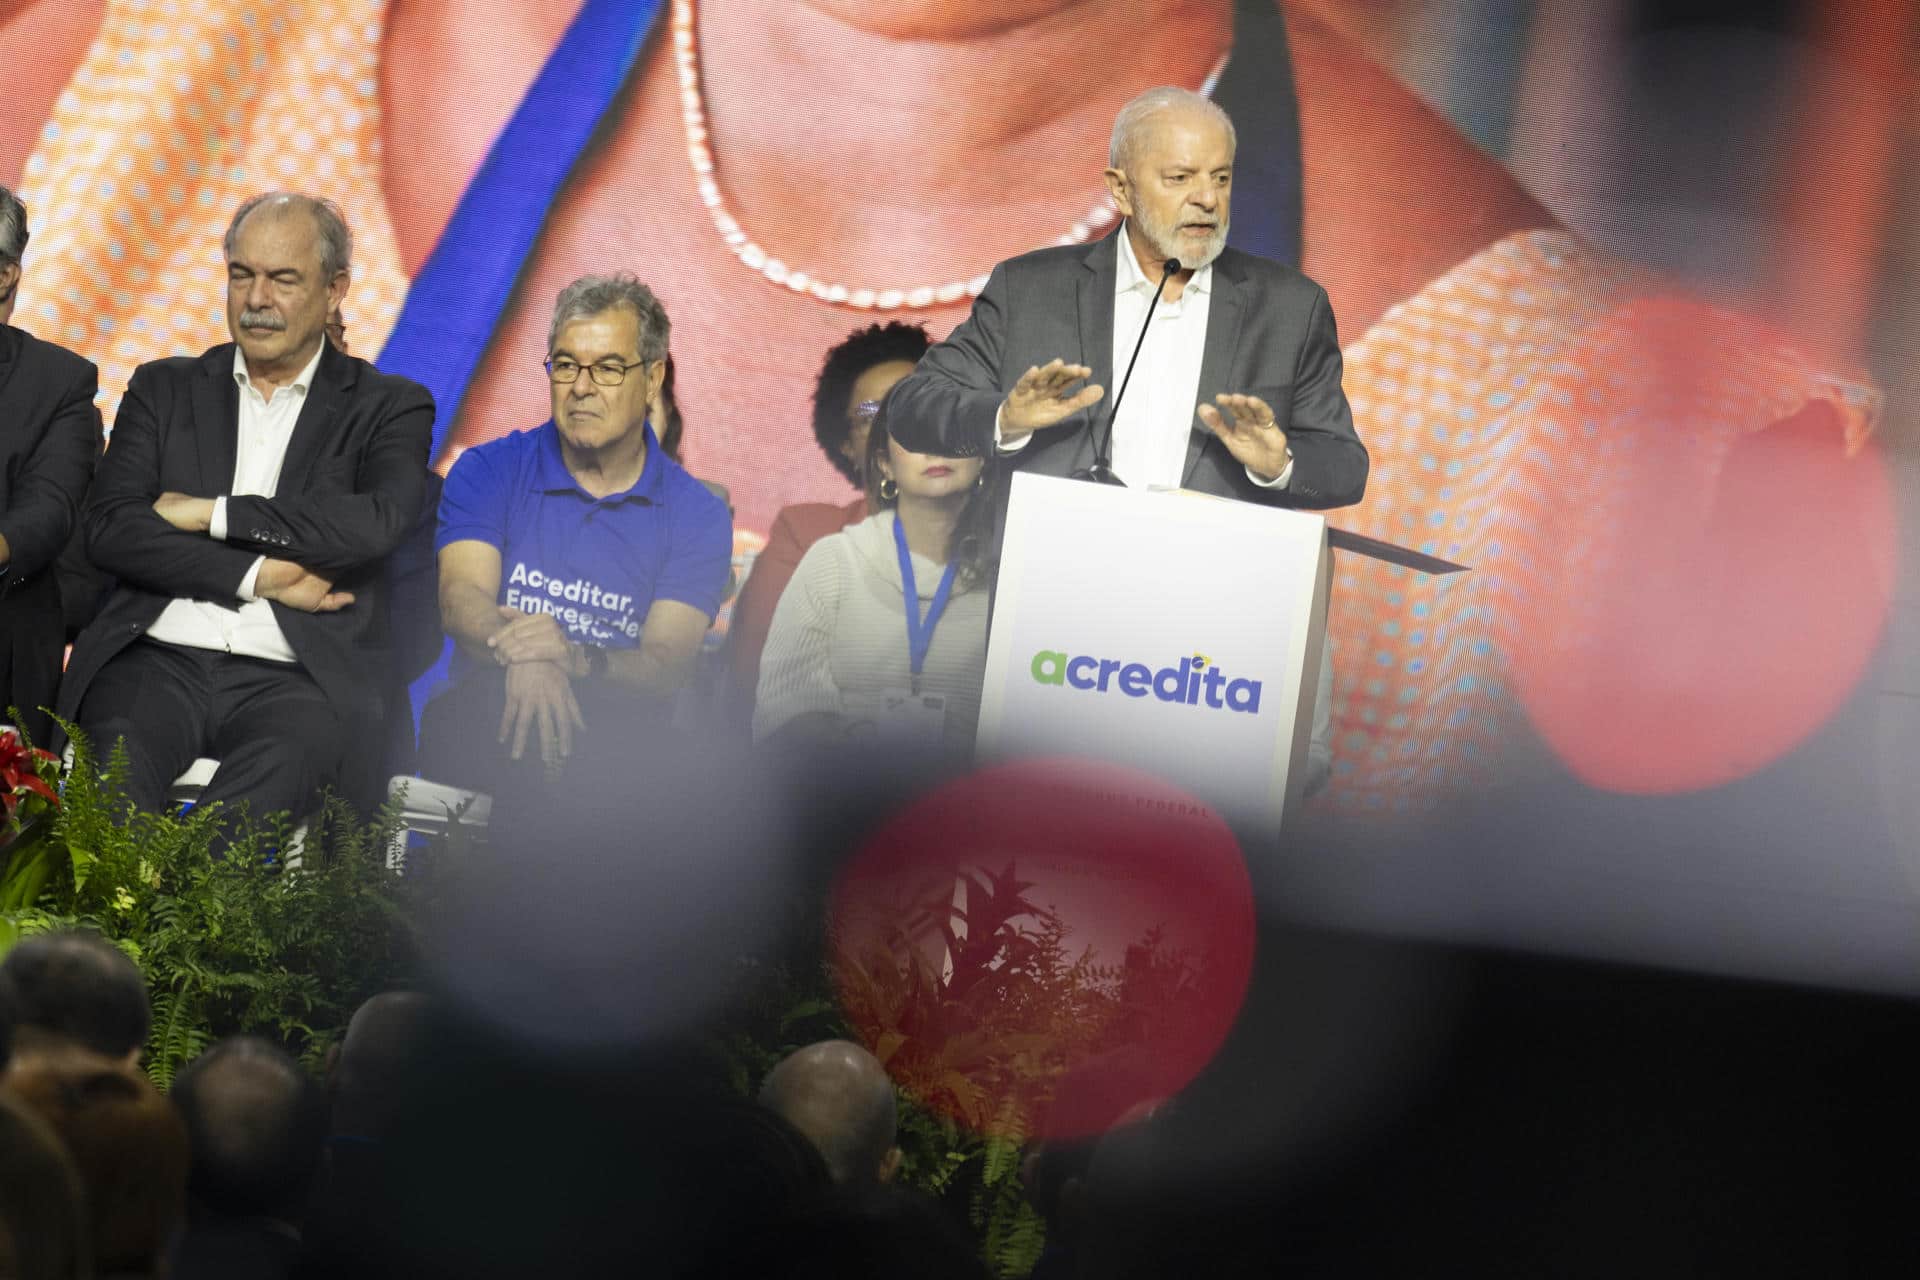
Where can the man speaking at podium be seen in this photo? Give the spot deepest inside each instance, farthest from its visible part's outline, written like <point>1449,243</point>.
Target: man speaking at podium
<point>1243,345</point>
<point>1250,342</point>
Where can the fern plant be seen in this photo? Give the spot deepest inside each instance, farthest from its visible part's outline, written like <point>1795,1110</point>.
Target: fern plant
<point>783,1003</point>
<point>243,943</point>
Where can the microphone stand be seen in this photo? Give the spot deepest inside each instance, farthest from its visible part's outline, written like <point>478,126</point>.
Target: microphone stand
<point>1101,472</point>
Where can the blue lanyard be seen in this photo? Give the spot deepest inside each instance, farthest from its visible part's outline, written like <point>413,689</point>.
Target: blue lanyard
<point>1257,90</point>
<point>919,630</point>
<point>457,300</point>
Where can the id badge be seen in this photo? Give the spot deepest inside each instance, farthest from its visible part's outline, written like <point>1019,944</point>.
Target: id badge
<point>909,717</point>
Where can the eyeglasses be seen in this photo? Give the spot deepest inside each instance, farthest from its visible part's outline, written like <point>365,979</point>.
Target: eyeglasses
<point>606,373</point>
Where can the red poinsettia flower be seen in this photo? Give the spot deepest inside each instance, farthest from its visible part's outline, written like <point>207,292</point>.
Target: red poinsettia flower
<point>20,773</point>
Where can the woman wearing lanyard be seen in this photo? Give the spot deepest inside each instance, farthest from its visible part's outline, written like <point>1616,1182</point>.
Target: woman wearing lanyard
<point>882,633</point>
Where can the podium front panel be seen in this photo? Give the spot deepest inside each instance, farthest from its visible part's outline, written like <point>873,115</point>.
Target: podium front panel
<point>1176,633</point>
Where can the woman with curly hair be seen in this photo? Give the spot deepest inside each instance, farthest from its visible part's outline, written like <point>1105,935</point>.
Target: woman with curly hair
<point>857,375</point>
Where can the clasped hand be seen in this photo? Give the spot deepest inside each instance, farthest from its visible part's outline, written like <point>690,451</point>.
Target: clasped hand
<point>283,581</point>
<point>540,699</point>
<point>185,512</point>
<point>530,637</point>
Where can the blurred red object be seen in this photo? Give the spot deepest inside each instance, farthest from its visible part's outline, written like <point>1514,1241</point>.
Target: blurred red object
<point>1040,918</point>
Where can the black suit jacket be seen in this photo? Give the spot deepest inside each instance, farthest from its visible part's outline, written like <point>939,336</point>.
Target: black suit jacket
<point>1270,333</point>
<point>49,442</point>
<point>352,485</point>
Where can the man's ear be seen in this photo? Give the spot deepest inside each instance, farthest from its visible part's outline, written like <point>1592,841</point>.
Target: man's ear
<point>890,1164</point>
<point>1122,194</point>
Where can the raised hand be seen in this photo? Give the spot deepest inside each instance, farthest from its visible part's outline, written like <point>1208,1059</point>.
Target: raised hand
<point>530,637</point>
<point>298,588</point>
<point>1246,425</point>
<point>1045,396</point>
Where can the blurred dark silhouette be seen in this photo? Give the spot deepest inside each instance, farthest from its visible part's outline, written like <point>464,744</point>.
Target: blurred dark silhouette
<point>859,1232</point>
<point>376,1071</point>
<point>74,990</point>
<point>128,1146</point>
<point>43,1223</point>
<point>256,1122</point>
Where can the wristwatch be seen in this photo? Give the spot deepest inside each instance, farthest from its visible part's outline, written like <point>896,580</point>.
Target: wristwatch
<point>596,656</point>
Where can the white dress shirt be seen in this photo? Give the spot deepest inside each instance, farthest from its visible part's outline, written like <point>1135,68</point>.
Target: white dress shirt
<point>265,428</point>
<point>1157,416</point>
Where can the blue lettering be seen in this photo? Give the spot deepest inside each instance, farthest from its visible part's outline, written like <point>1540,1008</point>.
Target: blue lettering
<point>1188,682</point>
<point>1170,683</point>
<point>1243,695</point>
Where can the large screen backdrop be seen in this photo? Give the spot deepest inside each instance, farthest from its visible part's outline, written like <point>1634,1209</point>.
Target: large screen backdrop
<point>1622,290</point>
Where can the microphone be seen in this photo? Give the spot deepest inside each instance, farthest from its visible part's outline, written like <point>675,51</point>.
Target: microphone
<point>1101,472</point>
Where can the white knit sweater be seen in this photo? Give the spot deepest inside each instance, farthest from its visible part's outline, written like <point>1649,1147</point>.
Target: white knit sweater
<point>839,637</point>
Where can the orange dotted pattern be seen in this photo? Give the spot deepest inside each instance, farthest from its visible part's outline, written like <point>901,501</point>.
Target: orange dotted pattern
<point>1505,408</point>
<point>180,111</point>
<point>1500,404</point>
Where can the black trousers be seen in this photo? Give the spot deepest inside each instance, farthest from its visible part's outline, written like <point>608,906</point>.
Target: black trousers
<point>278,738</point>
<point>30,641</point>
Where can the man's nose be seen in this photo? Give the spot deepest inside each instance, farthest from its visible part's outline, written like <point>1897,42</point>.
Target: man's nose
<point>259,294</point>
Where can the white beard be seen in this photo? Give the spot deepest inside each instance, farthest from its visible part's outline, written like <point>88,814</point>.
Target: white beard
<point>1192,258</point>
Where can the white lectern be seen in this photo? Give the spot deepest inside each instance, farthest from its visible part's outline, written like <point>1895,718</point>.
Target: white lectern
<point>1174,632</point>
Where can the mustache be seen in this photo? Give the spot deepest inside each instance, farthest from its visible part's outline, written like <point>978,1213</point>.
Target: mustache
<point>262,320</point>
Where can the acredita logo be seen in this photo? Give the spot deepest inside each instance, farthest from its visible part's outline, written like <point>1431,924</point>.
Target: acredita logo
<point>1194,681</point>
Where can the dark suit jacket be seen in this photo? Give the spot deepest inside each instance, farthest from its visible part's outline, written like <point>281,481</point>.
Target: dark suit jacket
<point>49,441</point>
<point>1270,333</point>
<point>352,486</point>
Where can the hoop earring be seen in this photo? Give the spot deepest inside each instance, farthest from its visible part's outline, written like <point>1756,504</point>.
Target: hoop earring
<point>888,489</point>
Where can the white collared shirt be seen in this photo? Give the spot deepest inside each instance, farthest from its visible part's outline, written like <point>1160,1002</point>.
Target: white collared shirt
<point>260,448</point>
<point>1157,415</point>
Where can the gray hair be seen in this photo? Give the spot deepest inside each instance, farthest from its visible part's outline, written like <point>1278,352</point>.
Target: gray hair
<point>591,295</point>
<point>1132,120</point>
<point>336,240</point>
<point>13,227</point>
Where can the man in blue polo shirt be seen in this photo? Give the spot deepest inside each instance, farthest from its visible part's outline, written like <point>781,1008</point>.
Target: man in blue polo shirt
<point>579,564</point>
